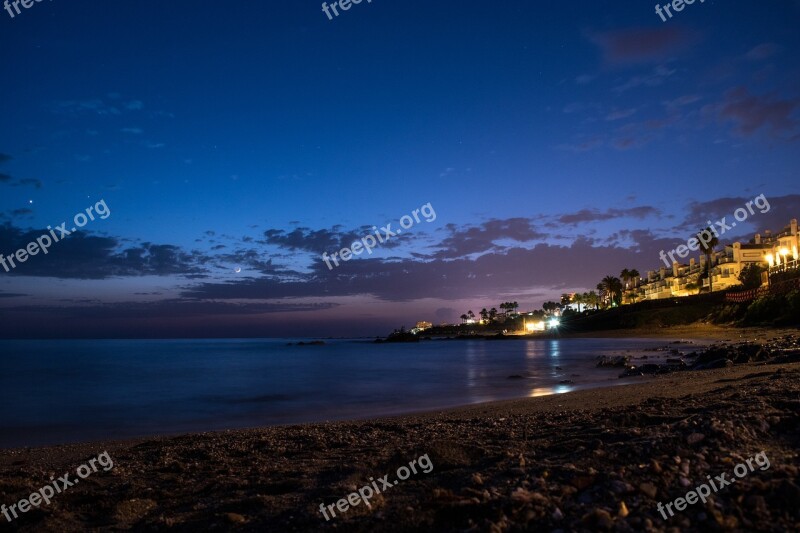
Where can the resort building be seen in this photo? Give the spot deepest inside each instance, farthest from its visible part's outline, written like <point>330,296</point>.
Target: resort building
<point>777,252</point>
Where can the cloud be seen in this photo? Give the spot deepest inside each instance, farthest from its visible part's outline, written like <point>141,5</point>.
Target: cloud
<point>782,210</point>
<point>751,113</point>
<point>652,79</point>
<point>319,241</point>
<point>682,101</point>
<point>464,241</point>
<point>642,45</point>
<point>82,256</point>
<point>33,182</point>
<point>595,215</point>
<point>5,179</point>
<point>763,51</point>
<point>132,131</point>
<point>94,106</point>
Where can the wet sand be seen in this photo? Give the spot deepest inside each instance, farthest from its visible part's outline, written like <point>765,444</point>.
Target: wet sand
<point>599,459</point>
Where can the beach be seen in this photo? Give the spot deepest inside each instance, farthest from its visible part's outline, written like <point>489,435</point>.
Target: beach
<point>598,459</point>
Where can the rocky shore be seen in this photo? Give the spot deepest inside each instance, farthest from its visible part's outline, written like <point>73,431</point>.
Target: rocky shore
<point>600,459</point>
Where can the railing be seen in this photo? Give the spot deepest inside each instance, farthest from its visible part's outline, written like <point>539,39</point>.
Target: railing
<point>776,288</point>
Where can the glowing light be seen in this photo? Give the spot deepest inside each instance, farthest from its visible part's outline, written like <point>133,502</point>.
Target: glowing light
<point>534,326</point>
<point>770,260</point>
<point>553,323</point>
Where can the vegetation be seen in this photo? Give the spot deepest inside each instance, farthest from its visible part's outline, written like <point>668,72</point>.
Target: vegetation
<point>750,276</point>
<point>707,246</point>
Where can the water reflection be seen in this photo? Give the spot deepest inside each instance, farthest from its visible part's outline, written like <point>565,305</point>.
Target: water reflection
<point>547,391</point>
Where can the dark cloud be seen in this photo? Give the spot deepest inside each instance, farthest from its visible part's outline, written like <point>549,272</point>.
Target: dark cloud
<point>477,239</point>
<point>404,280</point>
<point>751,113</point>
<point>595,215</point>
<point>642,45</point>
<point>82,256</point>
<point>8,180</point>
<point>781,210</point>
<point>322,240</point>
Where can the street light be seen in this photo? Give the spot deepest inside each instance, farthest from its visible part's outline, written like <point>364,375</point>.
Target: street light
<point>784,253</point>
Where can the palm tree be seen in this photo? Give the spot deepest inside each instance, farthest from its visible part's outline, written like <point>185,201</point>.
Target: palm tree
<point>612,289</point>
<point>484,315</point>
<point>578,299</point>
<point>592,299</point>
<point>470,315</point>
<point>634,274</point>
<point>514,306</point>
<point>707,247</point>
<point>492,314</point>
<point>464,318</point>
<point>549,307</point>
<point>503,307</point>
<point>626,276</point>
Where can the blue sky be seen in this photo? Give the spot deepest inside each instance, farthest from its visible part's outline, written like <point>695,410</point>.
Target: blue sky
<point>557,142</point>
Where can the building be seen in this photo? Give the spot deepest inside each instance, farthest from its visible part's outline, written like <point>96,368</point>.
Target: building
<point>777,251</point>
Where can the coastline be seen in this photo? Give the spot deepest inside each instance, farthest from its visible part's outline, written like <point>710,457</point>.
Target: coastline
<point>560,461</point>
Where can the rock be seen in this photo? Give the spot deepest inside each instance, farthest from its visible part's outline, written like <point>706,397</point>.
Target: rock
<point>605,361</point>
<point>235,518</point>
<point>694,438</point>
<point>599,519</point>
<point>649,489</point>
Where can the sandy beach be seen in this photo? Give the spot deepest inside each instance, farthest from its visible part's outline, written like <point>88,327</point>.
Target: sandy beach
<point>599,459</point>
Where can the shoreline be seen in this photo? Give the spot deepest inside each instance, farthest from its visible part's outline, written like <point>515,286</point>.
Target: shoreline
<point>597,458</point>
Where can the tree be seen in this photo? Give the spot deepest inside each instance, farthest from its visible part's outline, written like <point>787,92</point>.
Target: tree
<point>566,299</point>
<point>514,306</point>
<point>750,276</point>
<point>611,288</point>
<point>626,276</point>
<point>464,318</point>
<point>707,240</point>
<point>492,314</point>
<point>578,299</point>
<point>592,299</point>
<point>549,307</point>
<point>484,315</point>
<point>470,315</point>
<point>504,307</point>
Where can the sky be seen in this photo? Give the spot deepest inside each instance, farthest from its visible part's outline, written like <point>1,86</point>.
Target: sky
<point>549,143</point>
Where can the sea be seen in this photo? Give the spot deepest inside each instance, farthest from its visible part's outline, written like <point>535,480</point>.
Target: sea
<point>66,391</point>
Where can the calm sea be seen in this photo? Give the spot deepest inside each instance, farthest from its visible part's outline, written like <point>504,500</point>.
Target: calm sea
<point>66,391</point>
